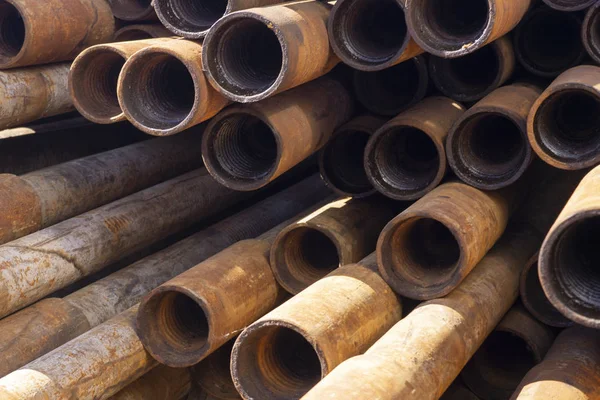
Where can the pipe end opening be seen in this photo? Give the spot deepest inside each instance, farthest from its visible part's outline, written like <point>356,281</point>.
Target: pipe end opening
<point>131,10</point>
<point>190,17</point>
<point>12,32</point>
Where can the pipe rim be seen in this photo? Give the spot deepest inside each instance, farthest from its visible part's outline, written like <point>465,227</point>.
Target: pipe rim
<point>135,32</point>
<point>590,24</point>
<point>166,15</point>
<point>566,5</point>
<point>132,13</point>
<point>8,61</point>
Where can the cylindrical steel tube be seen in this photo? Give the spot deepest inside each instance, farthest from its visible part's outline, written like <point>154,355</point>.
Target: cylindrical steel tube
<point>162,383</point>
<point>371,35</point>
<point>569,5</point>
<point>395,89</point>
<point>213,375</point>
<point>570,371</point>
<point>563,122</point>
<point>590,32</point>
<point>141,32</point>
<point>133,10</point>
<point>544,50</point>
<point>488,146</point>
<point>253,54</point>
<point>286,352</point>
<point>342,232</point>
<point>162,89</point>
<point>247,146</point>
<point>341,160</point>
<point>406,158</point>
<point>41,32</point>
<point>475,75</point>
<point>455,28</point>
<point>516,345</point>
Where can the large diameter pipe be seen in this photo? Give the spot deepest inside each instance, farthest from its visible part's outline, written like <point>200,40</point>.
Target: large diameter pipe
<point>59,320</point>
<point>563,122</point>
<point>488,146</point>
<point>133,10</point>
<point>475,75</point>
<point>247,146</point>
<point>406,158</point>
<point>213,375</point>
<point>423,354</point>
<point>41,32</point>
<point>141,32</point>
<point>570,371</point>
<point>162,383</point>
<point>162,89</point>
<point>256,53</point>
<point>286,352</point>
<point>340,233</point>
<point>590,32</point>
<point>569,5</point>
<point>516,345</point>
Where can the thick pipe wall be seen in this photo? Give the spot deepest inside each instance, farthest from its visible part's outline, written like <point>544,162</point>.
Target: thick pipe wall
<point>569,5</point>
<point>590,32</point>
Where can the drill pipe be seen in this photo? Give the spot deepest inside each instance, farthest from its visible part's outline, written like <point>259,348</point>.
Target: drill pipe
<point>36,265</point>
<point>141,32</point>
<point>518,343</point>
<point>342,232</point>
<point>371,35</point>
<point>259,52</point>
<point>590,32</point>
<point>488,147</point>
<point>41,32</point>
<point>570,371</point>
<point>341,160</point>
<point>406,158</point>
<point>455,28</point>
<point>544,50</point>
<point>426,251</point>
<point>247,146</point>
<point>162,89</point>
<point>475,75</point>
<point>286,352</point>
<point>162,383</point>
<point>213,375</point>
<point>94,75</point>
<point>563,122</point>
<point>133,10</point>
<point>569,5</point>
<point>59,320</point>
<point>423,353</point>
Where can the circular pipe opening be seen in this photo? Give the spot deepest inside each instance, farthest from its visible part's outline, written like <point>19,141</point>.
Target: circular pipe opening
<point>567,126</point>
<point>131,10</point>
<point>12,32</point>
<point>569,5</point>
<point>190,17</point>
<point>591,32</point>
<point>275,362</point>
<point>160,91</point>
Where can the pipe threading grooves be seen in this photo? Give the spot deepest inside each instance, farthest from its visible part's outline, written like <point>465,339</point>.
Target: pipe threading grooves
<point>12,32</point>
<point>190,18</point>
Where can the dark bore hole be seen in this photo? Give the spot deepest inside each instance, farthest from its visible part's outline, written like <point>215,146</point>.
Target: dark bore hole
<point>310,253</point>
<point>453,21</point>
<point>343,162</point>
<point>12,31</point>
<point>192,15</point>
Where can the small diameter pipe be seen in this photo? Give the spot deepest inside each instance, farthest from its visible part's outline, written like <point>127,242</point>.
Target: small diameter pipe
<point>133,10</point>
<point>162,383</point>
<point>141,32</point>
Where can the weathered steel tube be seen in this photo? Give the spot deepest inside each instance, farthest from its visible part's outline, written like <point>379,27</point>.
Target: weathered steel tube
<point>286,352</point>
<point>342,232</point>
<point>247,146</point>
<point>162,383</point>
<point>162,89</point>
<point>569,5</point>
<point>563,122</point>
<point>395,89</point>
<point>213,375</point>
<point>570,371</point>
<point>423,353</point>
<point>371,35</point>
<point>475,75</point>
<point>341,160</point>
<point>406,158</point>
<point>488,146</point>
<point>544,50</point>
<point>455,28</point>
<point>256,53</point>
<point>59,320</point>
<point>133,10</point>
<point>590,32</point>
<point>41,32</point>
<point>141,32</point>
<point>518,344</point>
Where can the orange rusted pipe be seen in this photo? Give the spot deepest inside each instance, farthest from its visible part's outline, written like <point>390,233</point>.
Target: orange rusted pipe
<point>213,377</point>
<point>162,383</point>
<point>141,32</point>
<point>133,10</point>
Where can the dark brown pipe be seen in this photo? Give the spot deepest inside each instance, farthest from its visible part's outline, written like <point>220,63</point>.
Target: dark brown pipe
<point>371,35</point>
<point>341,160</point>
<point>213,376</point>
<point>475,75</point>
<point>590,32</point>
<point>247,146</point>
<point>569,5</point>
<point>406,158</point>
<point>488,146</point>
<point>458,391</point>
<point>133,10</point>
<point>162,383</point>
<point>392,90</point>
<point>544,49</point>
<point>141,32</point>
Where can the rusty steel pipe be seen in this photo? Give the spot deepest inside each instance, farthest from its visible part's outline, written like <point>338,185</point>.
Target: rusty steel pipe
<point>423,354</point>
<point>406,158</point>
<point>516,345</point>
<point>569,5</point>
<point>59,320</point>
<point>286,352</point>
<point>41,32</point>
<point>133,10</point>
<point>590,32</point>
<point>570,371</point>
<point>563,122</point>
<point>256,53</point>
<point>475,75</point>
<point>247,146</point>
<point>341,160</point>
<point>544,50</point>
<point>342,232</point>
<point>390,91</point>
<point>371,35</point>
<point>162,89</point>
<point>212,375</point>
<point>141,32</point>
<point>162,383</point>
<point>488,146</point>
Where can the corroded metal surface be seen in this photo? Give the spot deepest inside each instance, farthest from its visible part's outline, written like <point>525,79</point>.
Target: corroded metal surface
<point>141,32</point>
<point>133,10</point>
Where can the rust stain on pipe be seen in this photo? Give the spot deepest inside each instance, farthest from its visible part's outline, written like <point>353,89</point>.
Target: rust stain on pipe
<point>162,383</point>
<point>141,32</point>
<point>133,10</point>
<point>213,375</point>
